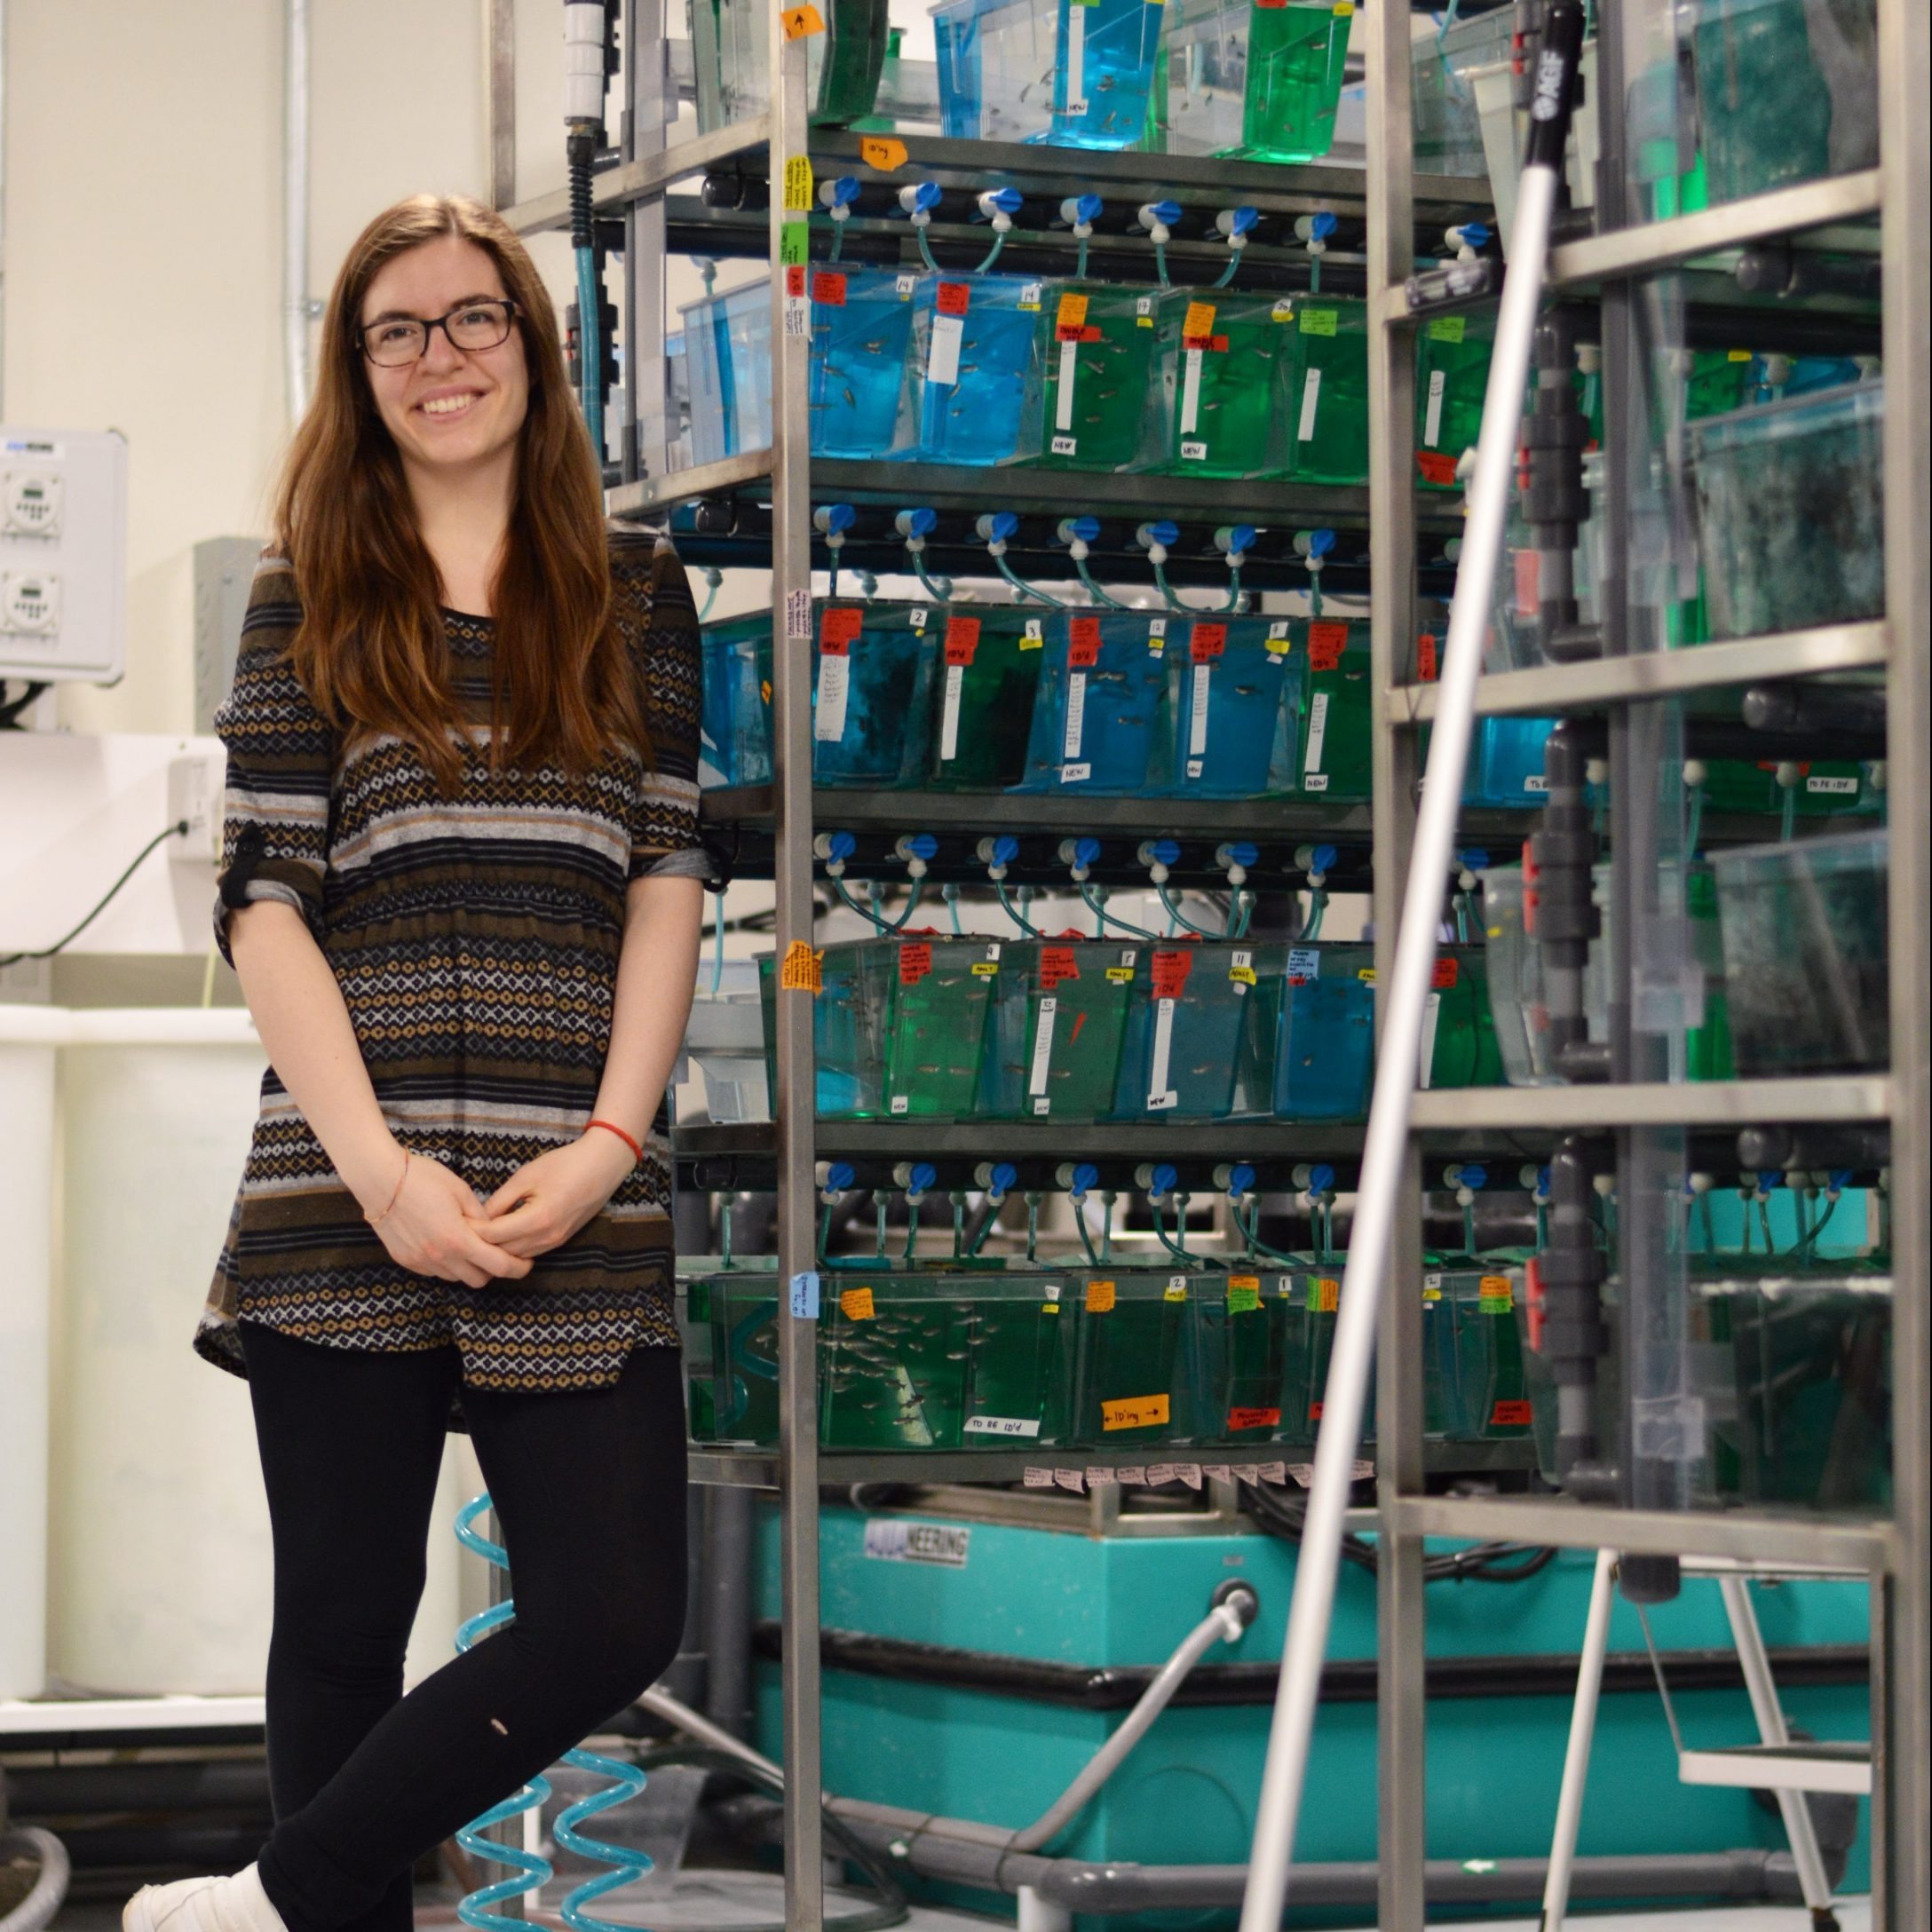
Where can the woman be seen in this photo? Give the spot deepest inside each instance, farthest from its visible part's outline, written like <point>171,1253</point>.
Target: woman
<point>461,888</point>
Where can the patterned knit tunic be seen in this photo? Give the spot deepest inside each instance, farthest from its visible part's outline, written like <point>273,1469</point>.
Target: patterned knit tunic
<point>476,943</point>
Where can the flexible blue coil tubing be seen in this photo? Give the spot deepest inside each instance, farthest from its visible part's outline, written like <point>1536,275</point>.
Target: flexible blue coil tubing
<point>532,1872</point>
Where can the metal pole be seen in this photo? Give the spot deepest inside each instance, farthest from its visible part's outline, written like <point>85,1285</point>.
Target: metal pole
<point>499,42</point>
<point>295,206</point>
<point>1383,1161</point>
<point>791,623</point>
<point>1904,58</point>
<point>1401,1709</point>
<point>1576,1760</point>
<point>649,110</point>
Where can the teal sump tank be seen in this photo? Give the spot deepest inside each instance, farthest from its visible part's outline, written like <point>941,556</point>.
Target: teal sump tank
<point>1029,1616</point>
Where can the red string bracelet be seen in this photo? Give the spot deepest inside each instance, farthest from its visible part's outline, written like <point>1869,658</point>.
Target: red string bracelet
<point>636,1151</point>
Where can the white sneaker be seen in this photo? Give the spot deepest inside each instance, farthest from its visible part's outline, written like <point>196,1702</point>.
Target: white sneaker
<point>214,1905</point>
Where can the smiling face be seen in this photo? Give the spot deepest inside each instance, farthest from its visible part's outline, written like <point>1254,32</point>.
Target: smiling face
<point>452,409</point>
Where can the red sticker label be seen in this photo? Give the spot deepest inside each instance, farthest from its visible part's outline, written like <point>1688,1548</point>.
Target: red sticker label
<point>1532,1295</point>
<point>1437,467</point>
<point>1170,971</point>
<point>952,298</point>
<point>1446,973</point>
<point>1057,963</point>
<point>795,278</point>
<point>1083,642</point>
<point>962,640</point>
<point>828,286</point>
<point>1253,1418</point>
<point>838,628</point>
<point>914,963</point>
<point>1510,1415</point>
<point>1314,1412</point>
<point>1326,643</point>
<point>1426,665</point>
<point>1206,641</point>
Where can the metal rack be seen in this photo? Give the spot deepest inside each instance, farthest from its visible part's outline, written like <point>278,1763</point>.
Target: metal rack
<point>1892,1553</point>
<point>1396,207</point>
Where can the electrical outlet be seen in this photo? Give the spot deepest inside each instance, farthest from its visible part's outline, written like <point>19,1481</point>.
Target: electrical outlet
<point>195,793</point>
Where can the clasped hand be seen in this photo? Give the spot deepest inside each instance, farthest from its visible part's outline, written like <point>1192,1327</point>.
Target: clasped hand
<point>438,1227</point>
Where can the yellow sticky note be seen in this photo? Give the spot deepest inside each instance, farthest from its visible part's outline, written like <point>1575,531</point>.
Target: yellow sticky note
<point>1099,1298</point>
<point>1133,1412</point>
<point>878,151</point>
<point>1072,313</point>
<point>800,973</point>
<point>798,185</point>
<point>855,1304</point>
<point>1200,320</point>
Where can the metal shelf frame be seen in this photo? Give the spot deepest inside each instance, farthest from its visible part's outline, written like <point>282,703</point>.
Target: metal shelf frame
<point>1398,205</point>
<point>1838,213</point>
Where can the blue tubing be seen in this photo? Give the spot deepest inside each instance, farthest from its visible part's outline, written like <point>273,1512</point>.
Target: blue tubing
<point>592,350</point>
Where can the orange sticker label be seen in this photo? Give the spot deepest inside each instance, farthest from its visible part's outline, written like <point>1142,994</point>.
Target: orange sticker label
<point>1426,666</point>
<point>1239,1419</point>
<point>1200,320</point>
<point>802,19</point>
<point>799,973</point>
<point>838,627</point>
<point>1072,313</point>
<point>1133,1412</point>
<point>1513,1414</point>
<point>855,1304</point>
<point>1099,1298</point>
<point>883,154</point>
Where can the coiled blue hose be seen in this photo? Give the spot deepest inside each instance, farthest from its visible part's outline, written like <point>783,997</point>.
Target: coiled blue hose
<point>532,1871</point>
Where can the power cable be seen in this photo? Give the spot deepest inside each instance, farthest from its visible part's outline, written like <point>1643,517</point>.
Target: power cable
<point>179,828</point>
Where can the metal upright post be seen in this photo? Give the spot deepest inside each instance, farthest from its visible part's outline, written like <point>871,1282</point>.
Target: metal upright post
<point>791,624</point>
<point>649,108</point>
<point>1402,1713</point>
<point>499,29</point>
<point>1905,206</point>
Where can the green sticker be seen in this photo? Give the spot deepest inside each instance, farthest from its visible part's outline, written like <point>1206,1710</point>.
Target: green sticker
<point>1448,328</point>
<point>794,243</point>
<point>1317,321</point>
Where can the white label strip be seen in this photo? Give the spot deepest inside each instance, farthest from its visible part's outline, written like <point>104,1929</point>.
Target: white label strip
<point>1310,400</point>
<point>1005,1425</point>
<point>1036,1077</point>
<point>1076,713</point>
<point>942,358</point>
<point>1432,422</point>
<point>1432,1013</point>
<point>1076,58</point>
<point>1159,1094</point>
<point>1190,392</point>
<point>1318,729</point>
<point>955,675</point>
<point>1197,720</point>
<point>834,684</point>
<point>1062,403</point>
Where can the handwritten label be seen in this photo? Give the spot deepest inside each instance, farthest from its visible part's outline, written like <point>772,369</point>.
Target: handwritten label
<point>962,640</point>
<point>1512,1414</point>
<point>855,1304</point>
<point>800,971</point>
<point>800,21</point>
<point>805,1297</point>
<point>915,961</point>
<point>1244,1294</point>
<point>1134,1412</point>
<point>838,627</point>
<point>1198,324</point>
<point>798,185</point>
<point>1057,963</point>
<point>952,298</point>
<point>1083,642</point>
<point>1445,974</point>
<point>1324,1295</point>
<point>877,152</point>
<point>1325,645</point>
<point>1438,467</point>
<point>1099,1298</point>
<point>1448,328</point>
<point>1071,312</point>
<point>1427,665</point>
<point>1207,642</point>
<point>1241,1419</point>
<point>828,287</point>
<point>1170,971</point>
<point>1317,321</point>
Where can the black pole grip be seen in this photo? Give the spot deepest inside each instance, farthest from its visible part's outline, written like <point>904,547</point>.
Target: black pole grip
<point>1553,97</point>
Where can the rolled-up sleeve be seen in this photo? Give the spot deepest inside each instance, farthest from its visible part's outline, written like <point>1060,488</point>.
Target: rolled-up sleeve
<point>274,832</point>
<point>665,839</point>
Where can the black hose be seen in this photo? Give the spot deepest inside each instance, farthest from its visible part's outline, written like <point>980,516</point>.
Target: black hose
<point>1285,1517</point>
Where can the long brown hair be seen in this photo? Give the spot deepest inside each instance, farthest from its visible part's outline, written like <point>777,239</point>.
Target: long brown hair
<point>371,649</point>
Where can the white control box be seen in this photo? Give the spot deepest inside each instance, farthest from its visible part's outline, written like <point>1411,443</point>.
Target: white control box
<point>63,554</point>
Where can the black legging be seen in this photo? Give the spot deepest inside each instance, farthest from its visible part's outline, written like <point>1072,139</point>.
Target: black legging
<point>588,1490</point>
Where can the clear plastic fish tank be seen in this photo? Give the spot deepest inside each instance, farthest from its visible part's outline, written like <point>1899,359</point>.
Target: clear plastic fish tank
<point>976,368</point>
<point>1099,712</point>
<point>851,1014</point>
<point>1324,1049</point>
<point>1222,356</point>
<point>1186,1031</point>
<point>1335,726</point>
<point>1071,74</point>
<point>1790,512</point>
<point>1236,702</point>
<point>872,680</point>
<point>985,683</point>
<point>1257,78</point>
<point>1325,376</point>
<point>1137,1377</point>
<point>1054,1051</point>
<point>1806,966</point>
<point>1448,133</point>
<point>1451,377</point>
<point>734,726</point>
<point>728,359</point>
<point>1474,1382</point>
<point>1098,391</point>
<point>730,60</point>
<point>1248,1337</point>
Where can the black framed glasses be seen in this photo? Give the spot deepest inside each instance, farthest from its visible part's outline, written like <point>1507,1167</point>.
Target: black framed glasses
<point>480,324</point>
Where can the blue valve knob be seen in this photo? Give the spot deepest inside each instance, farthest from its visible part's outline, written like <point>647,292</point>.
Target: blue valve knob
<point>1235,539</point>
<point>997,528</point>
<point>1162,533</point>
<point>1476,233</point>
<point>917,845</point>
<point>1322,858</point>
<point>999,201</point>
<point>1542,1181</point>
<point>841,191</point>
<point>1086,1175</point>
<point>840,845</point>
<point>1321,1178</point>
<point>1240,851</point>
<point>1234,221</point>
<point>833,518</point>
<point>1315,542</point>
<point>999,1182</point>
<point>919,197</point>
<point>1838,1180</point>
<point>921,1177</point>
<point>1240,1179</point>
<point>915,522</point>
<point>1081,529</point>
<point>1473,1175</point>
<point>1158,214</point>
<point>1080,209</point>
<point>1001,850</point>
<point>1162,1180</point>
<point>1086,851</point>
<point>839,1176</point>
<point>1768,1178</point>
<point>1473,859</point>
<point>1316,227</point>
<point>1161,851</point>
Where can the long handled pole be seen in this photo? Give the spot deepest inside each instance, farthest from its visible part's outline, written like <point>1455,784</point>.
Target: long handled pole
<point>1400,1042</point>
